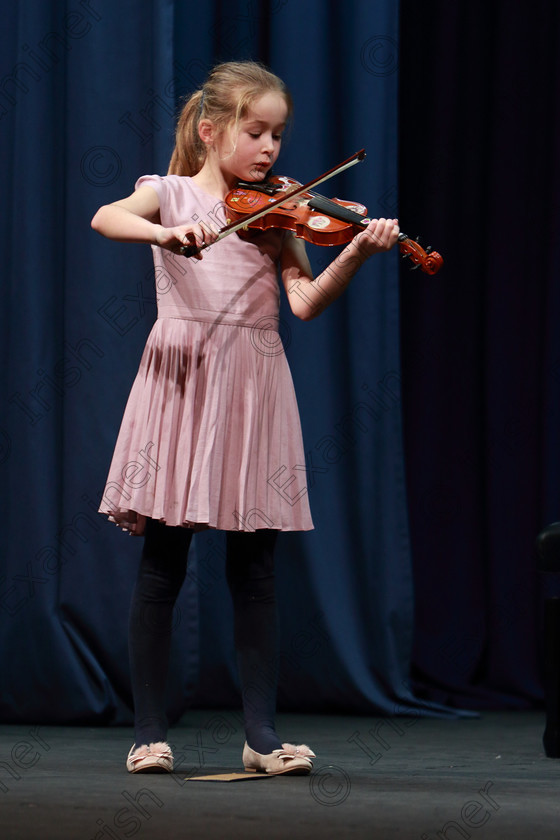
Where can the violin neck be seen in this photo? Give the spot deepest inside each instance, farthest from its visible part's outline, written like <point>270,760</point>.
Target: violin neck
<point>337,211</point>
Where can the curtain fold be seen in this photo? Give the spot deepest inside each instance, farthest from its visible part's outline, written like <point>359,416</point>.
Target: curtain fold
<point>480,341</point>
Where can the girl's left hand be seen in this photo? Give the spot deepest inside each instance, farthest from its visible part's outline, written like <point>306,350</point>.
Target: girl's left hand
<point>380,235</point>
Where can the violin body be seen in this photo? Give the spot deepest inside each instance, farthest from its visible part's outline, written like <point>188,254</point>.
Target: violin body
<point>312,217</point>
<point>298,216</point>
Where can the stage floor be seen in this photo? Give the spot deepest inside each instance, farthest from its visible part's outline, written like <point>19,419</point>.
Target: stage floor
<point>398,778</point>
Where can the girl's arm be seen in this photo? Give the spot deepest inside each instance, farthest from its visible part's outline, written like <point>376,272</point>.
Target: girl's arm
<point>136,219</point>
<point>308,297</point>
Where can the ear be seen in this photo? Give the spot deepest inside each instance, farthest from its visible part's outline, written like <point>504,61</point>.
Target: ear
<point>207,131</point>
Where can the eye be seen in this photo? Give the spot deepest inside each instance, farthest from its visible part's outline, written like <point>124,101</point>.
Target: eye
<point>255,136</point>
<point>276,136</point>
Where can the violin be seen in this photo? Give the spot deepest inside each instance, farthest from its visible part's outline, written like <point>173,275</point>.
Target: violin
<point>282,202</point>
<point>310,216</point>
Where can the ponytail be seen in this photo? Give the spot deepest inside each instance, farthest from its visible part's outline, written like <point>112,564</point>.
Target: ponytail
<point>189,152</point>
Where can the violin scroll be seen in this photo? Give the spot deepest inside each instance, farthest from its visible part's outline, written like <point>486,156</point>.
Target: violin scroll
<point>428,260</point>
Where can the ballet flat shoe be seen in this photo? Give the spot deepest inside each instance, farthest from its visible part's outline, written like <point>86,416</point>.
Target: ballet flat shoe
<point>279,762</point>
<point>152,758</point>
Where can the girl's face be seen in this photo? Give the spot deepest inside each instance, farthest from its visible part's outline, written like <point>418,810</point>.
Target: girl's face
<point>248,152</point>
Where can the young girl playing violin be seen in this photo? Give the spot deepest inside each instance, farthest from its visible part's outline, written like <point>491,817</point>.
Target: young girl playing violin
<point>211,431</point>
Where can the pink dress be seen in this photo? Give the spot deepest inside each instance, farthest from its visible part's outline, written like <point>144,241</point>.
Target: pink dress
<point>211,436</point>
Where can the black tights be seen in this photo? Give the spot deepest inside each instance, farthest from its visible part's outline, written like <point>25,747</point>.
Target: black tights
<point>250,577</point>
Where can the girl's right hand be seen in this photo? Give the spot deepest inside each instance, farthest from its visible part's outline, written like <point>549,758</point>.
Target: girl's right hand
<point>175,238</point>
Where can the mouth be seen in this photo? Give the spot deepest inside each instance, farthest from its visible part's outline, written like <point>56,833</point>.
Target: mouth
<point>259,170</point>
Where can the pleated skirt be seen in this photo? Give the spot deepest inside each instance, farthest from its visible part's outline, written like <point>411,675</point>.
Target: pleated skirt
<point>211,435</point>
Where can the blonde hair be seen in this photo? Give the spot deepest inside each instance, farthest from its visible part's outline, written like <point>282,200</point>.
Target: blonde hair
<point>225,98</point>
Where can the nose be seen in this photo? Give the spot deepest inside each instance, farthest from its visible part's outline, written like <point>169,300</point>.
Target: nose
<point>267,143</point>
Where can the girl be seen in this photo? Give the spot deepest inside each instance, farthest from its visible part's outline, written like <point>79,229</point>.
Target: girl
<point>211,434</point>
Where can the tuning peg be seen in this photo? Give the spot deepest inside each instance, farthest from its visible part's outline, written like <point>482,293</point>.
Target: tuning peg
<point>429,249</point>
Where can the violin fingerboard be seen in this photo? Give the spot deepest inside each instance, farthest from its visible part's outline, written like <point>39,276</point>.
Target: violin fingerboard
<point>337,211</point>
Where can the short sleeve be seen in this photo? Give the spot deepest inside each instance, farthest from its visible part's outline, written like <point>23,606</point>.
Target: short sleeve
<point>156,182</point>
<point>179,204</point>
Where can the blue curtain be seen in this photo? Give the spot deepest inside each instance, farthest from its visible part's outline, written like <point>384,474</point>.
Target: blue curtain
<point>89,91</point>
